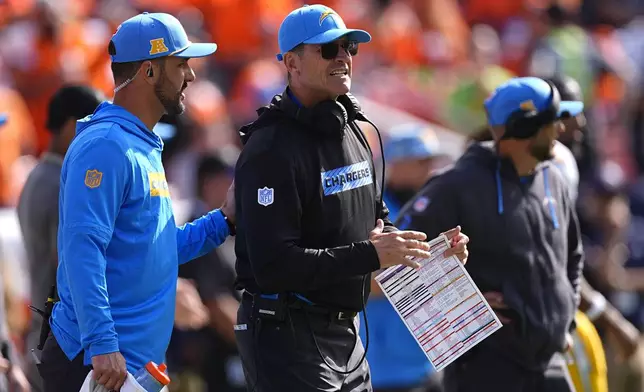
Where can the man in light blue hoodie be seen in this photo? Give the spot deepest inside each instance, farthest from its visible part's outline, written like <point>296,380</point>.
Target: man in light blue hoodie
<point>118,246</point>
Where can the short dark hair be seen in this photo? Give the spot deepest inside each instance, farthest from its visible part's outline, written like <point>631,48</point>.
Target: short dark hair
<point>298,50</point>
<point>71,101</point>
<point>209,166</point>
<point>124,71</point>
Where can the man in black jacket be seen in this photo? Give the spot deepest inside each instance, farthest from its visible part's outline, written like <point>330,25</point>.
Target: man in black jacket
<point>526,249</point>
<point>307,201</point>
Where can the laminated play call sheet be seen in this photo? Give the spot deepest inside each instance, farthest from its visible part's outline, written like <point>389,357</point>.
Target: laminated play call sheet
<point>440,304</point>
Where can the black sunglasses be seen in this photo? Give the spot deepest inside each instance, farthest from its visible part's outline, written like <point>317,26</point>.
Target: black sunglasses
<point>330,51</point>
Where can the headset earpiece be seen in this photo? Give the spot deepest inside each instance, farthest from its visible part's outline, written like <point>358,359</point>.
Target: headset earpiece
<point>150,73</point>
<point>521,125</point>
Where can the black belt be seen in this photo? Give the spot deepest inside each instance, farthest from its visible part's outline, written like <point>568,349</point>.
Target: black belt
<point>298,304</point>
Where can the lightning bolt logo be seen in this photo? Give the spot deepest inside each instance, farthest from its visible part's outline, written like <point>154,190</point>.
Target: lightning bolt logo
<point>325,15</point>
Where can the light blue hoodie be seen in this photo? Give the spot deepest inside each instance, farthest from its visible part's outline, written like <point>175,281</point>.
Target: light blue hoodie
<point>118,246</point>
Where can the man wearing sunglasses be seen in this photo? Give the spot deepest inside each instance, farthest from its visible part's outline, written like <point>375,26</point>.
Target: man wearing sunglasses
<point>307,202</point>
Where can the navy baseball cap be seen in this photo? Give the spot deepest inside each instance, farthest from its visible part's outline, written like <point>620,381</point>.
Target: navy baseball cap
<point>149,36</point>
<point>314,24</point>
<point>410,141</point>
<point>527,93</point>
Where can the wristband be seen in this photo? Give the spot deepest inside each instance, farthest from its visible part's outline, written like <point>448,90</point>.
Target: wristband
<point>597,306</point>
<point>231,227</point>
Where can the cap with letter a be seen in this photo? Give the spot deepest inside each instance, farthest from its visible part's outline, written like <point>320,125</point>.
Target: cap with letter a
<point>151,35</point>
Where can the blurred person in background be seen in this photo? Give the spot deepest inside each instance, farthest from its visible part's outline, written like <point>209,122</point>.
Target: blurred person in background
<point>617,210</point>
<point>35,43</point>
<point>119,246</point>
<point>38,204</point>
<point>587,360</point>
<point>411,154</point>
<point>563,47</point>
<point>211,351</point>
<point>396,361</point>
<point>588,366</point>
<point>526,241</point>
<point>17,140</point>
<point>578,135</point>
<point>12,376</point>
<point>604,218</point>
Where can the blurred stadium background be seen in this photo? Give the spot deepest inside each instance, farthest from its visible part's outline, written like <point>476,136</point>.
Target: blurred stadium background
<point>431,63</point>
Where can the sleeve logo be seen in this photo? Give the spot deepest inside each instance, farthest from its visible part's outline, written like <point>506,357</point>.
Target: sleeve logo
<point>421,204</point>
<point>93,178</point>
<point>528,105</point>
<point>265,196</point>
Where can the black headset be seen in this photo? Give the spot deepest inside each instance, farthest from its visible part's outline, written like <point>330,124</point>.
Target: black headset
<point>330,117</point>
<point>525,123</point>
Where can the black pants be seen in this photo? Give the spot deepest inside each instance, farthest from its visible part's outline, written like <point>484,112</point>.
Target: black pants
<point>282,356</point>
<point>484,371</point>
<point>58,373</point>
<point>434,384</point>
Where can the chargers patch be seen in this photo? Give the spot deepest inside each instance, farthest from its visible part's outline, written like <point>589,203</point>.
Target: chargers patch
<point>265,196</point>
<point>346,178</point>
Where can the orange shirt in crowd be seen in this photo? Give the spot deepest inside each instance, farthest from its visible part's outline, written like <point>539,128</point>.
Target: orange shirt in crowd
<point>16,136</point>
<point>493,12</point>
<point>245,29</point>
<point>37,84</point>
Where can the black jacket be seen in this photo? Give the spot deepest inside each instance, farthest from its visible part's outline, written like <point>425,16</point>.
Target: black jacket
<point>306,202</point>
<point>524,242</point>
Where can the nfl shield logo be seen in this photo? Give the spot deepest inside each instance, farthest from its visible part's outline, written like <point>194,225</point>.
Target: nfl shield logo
<point>421,204</point>
<point>93,178</point>
<point>265,196</point>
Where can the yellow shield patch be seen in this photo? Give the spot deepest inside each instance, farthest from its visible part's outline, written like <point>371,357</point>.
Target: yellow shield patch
<point>157,46</point>
<point>93,178</point>
<point>528,105</point>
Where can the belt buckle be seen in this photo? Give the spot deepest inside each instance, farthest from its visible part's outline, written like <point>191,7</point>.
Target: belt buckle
<point>345,315</point>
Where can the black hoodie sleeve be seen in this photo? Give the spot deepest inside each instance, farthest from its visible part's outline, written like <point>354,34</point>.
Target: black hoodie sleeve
<point>384,215</point>
<point>433,210</point>
<point>272,231</point>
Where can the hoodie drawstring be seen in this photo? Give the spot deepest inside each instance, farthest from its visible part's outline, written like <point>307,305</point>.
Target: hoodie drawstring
<point>499,189</point>
<point>546,184</point>
<point>551,202</point>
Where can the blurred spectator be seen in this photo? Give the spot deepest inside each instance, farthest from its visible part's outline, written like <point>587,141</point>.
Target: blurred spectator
<point>38,205</point>
<point>17,138</point>
<point>411,154</point>
<point>211,352</point>
<point>11,373</point>
<point>578,135</point>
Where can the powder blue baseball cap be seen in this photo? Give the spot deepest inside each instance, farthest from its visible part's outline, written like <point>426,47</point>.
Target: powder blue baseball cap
<point>314,24</point>
<point>410,141</point>
<point>528,93</point>
<point>148,36</point>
